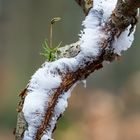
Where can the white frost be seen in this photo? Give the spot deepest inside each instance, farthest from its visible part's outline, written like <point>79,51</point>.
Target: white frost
<point>107,6</point>
<point>40,90</point>
<point>92,33</point>
<point>59,109</point>
<point>45,137</point>
<point>44,77</point>
<point>85,83</point>
<point>123,42</point>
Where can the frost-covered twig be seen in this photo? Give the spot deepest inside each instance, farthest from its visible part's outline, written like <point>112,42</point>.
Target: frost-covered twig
<point>107,32</point>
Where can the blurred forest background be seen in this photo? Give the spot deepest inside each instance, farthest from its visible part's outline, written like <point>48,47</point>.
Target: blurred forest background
<point>108,109</point>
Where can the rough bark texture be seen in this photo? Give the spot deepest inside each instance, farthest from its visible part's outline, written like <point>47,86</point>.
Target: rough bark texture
<point>85,5</point>
<point>125,14</point>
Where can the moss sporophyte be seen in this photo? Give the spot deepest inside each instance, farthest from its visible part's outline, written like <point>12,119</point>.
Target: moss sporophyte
<point>50,52</point>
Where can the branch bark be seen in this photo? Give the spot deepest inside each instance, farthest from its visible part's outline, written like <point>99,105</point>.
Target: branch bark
<point>86,5</point>
<point>124,15</point>
<point>136,3</point>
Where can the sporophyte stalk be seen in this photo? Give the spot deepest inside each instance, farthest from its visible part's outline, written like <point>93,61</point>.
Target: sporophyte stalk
<point>50,52</point>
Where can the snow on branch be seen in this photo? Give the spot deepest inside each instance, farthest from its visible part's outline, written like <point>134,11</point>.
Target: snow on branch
<point>108,30</point>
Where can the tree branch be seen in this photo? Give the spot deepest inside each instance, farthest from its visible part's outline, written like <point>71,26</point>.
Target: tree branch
<point>136,3</point>
<point>124,17</point>
<point>86,5</point>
